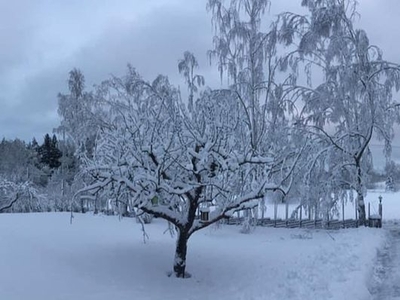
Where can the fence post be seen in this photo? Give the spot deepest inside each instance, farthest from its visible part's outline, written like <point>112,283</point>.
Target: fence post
<point>356,207</point>
<point>315,215</point>
<point>380,210</point>
<point>275,212</point>
<point>369,214</point>
<point>301,214</point>
<point>327,218</point>
<point>344,225</point>
<point>287,214</point>
<point>263,207</point>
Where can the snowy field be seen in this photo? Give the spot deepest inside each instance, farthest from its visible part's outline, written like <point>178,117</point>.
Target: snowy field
<point>43,257</point>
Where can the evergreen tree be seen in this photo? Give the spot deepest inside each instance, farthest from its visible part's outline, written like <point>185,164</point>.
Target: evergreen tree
<point>56,153</point>
<point>34,145</point>
<point>49,153</point>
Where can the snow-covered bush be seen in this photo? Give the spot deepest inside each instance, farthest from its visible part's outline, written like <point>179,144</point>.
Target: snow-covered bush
<point>21,197</point>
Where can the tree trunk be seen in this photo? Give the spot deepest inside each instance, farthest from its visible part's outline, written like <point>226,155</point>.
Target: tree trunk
<point>361,208</point>
<point>96,210</point>
<point>82,206</point>
<point>183,237</point>
<point>180,254</point>
<point>124,209</point>
<point>360,196</point>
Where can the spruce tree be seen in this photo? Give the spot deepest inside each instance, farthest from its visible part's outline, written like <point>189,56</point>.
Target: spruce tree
<point>49,153</point>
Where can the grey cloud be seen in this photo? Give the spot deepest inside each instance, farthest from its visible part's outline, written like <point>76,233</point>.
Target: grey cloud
<point>42,40</point>
<point>153,46</point>
<point>16,28</point>
<point>380,20</point>
<point>36,114</point>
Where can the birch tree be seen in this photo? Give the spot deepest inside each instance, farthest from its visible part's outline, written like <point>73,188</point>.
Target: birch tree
<point>80,116</point>
<point>247,57</point>
<point>354,100</point>
<point>187,67</point>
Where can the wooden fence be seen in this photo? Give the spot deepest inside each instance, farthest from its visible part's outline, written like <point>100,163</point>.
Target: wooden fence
<point>293,223</point>
<point>312,221</point>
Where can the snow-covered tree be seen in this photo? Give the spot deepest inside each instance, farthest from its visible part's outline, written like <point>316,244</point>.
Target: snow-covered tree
<point>171,165</point>
<point>49,153</point>
<point>187,67</point>
<point>222,152</point>
<point>20,197</point>
<point>246,56</point>
<point>325,180</point>
<point>19,162</point>
<point>80,118</point>
<point>353,95</point>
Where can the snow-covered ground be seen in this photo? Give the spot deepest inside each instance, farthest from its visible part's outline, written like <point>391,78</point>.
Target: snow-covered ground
<point>43,257</point>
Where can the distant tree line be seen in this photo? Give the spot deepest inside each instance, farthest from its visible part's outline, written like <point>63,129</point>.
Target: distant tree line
<point>43,166</point>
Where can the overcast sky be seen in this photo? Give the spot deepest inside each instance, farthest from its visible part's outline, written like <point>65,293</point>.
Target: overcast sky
<point>42,40</point>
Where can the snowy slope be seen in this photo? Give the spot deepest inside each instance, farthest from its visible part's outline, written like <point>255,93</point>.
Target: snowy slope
<point>43,257</point>
<point>385,280</point>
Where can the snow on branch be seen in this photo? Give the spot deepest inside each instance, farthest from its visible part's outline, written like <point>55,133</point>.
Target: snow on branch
<point>19,196</point>
<point>171,163</point>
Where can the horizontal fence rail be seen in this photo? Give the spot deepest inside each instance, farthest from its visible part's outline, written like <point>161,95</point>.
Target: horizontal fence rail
<point>282,216</point>
<point>294,223</point>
